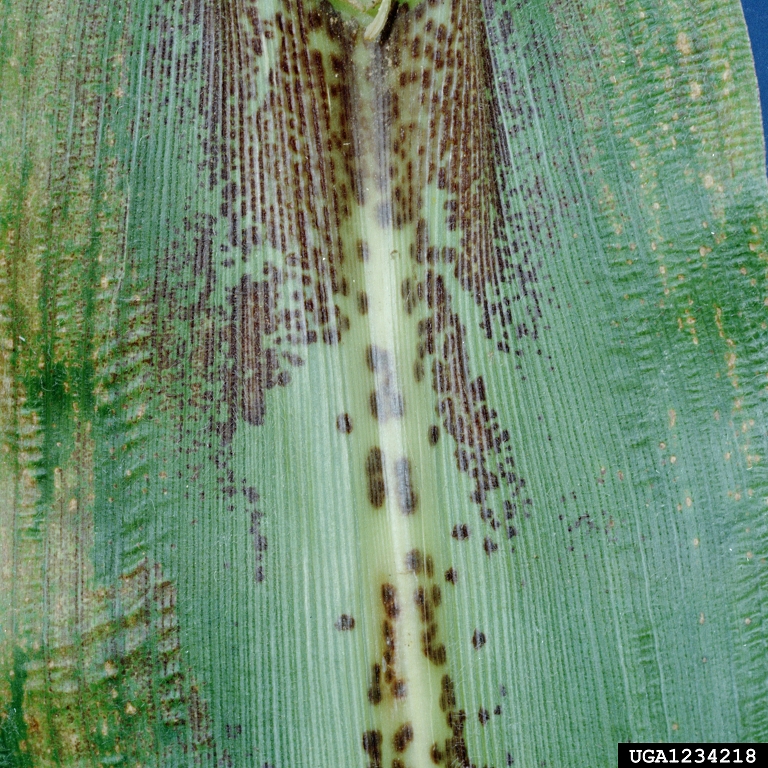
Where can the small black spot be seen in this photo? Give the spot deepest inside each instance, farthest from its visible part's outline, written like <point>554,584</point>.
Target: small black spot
<point>403,737</point>
<point>460,532</point>
<point>362,303</point>
<point>344,423</point>
<point>433,435</point>
<point>436,754</point>
<point>345,622</point>
<point>478,639</point>
<point>497,709</point>
<point>451,576</point>
<point>437,595</point>
<point>483,716</point>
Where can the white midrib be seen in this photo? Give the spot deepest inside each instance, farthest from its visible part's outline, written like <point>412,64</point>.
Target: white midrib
<point>383,274</point>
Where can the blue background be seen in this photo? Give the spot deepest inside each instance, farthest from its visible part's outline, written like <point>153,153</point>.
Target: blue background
<point>756,13</point>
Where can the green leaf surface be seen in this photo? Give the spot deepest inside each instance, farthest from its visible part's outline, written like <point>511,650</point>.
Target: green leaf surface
<point>380,402</point>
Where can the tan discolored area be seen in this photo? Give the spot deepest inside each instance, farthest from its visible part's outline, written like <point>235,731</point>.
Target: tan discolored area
<point>101,666</point>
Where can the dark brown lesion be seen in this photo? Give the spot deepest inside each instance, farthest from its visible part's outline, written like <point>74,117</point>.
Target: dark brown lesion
<point>447,694</point>
<point>345,623</point>
<point>374,473</point>
<point>403,737</point>
<point>456,753</point>
<point>436,755</point>
<point>427,598</point>
<point>386,401</point>
<point>374,692</point>
<point>407,499</point>
<point>489,545</point>
<point>372,741</point>
<point>433,650</point>
<point>414,561</point>
<point>344,423</point>
<point>460,532</point>
<point>389,600</point>
<point>387,671</point>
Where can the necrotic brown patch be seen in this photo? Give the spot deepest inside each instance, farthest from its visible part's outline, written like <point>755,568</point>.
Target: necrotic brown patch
<point>372,741</point>
<point>374,692</point>
<point>403,737</point>
<point>389,600</point>
<point>447,694</point>
<point>414,561</point>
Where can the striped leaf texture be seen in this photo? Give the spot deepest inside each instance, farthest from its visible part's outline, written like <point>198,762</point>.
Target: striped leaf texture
<point>381,385</point>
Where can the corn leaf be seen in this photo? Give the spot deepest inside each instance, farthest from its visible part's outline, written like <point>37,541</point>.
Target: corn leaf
<point>380,384</point>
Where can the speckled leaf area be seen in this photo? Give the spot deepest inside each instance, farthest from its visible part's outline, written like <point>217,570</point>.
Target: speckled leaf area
<point>387,402</point>
<point>358,195</point>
